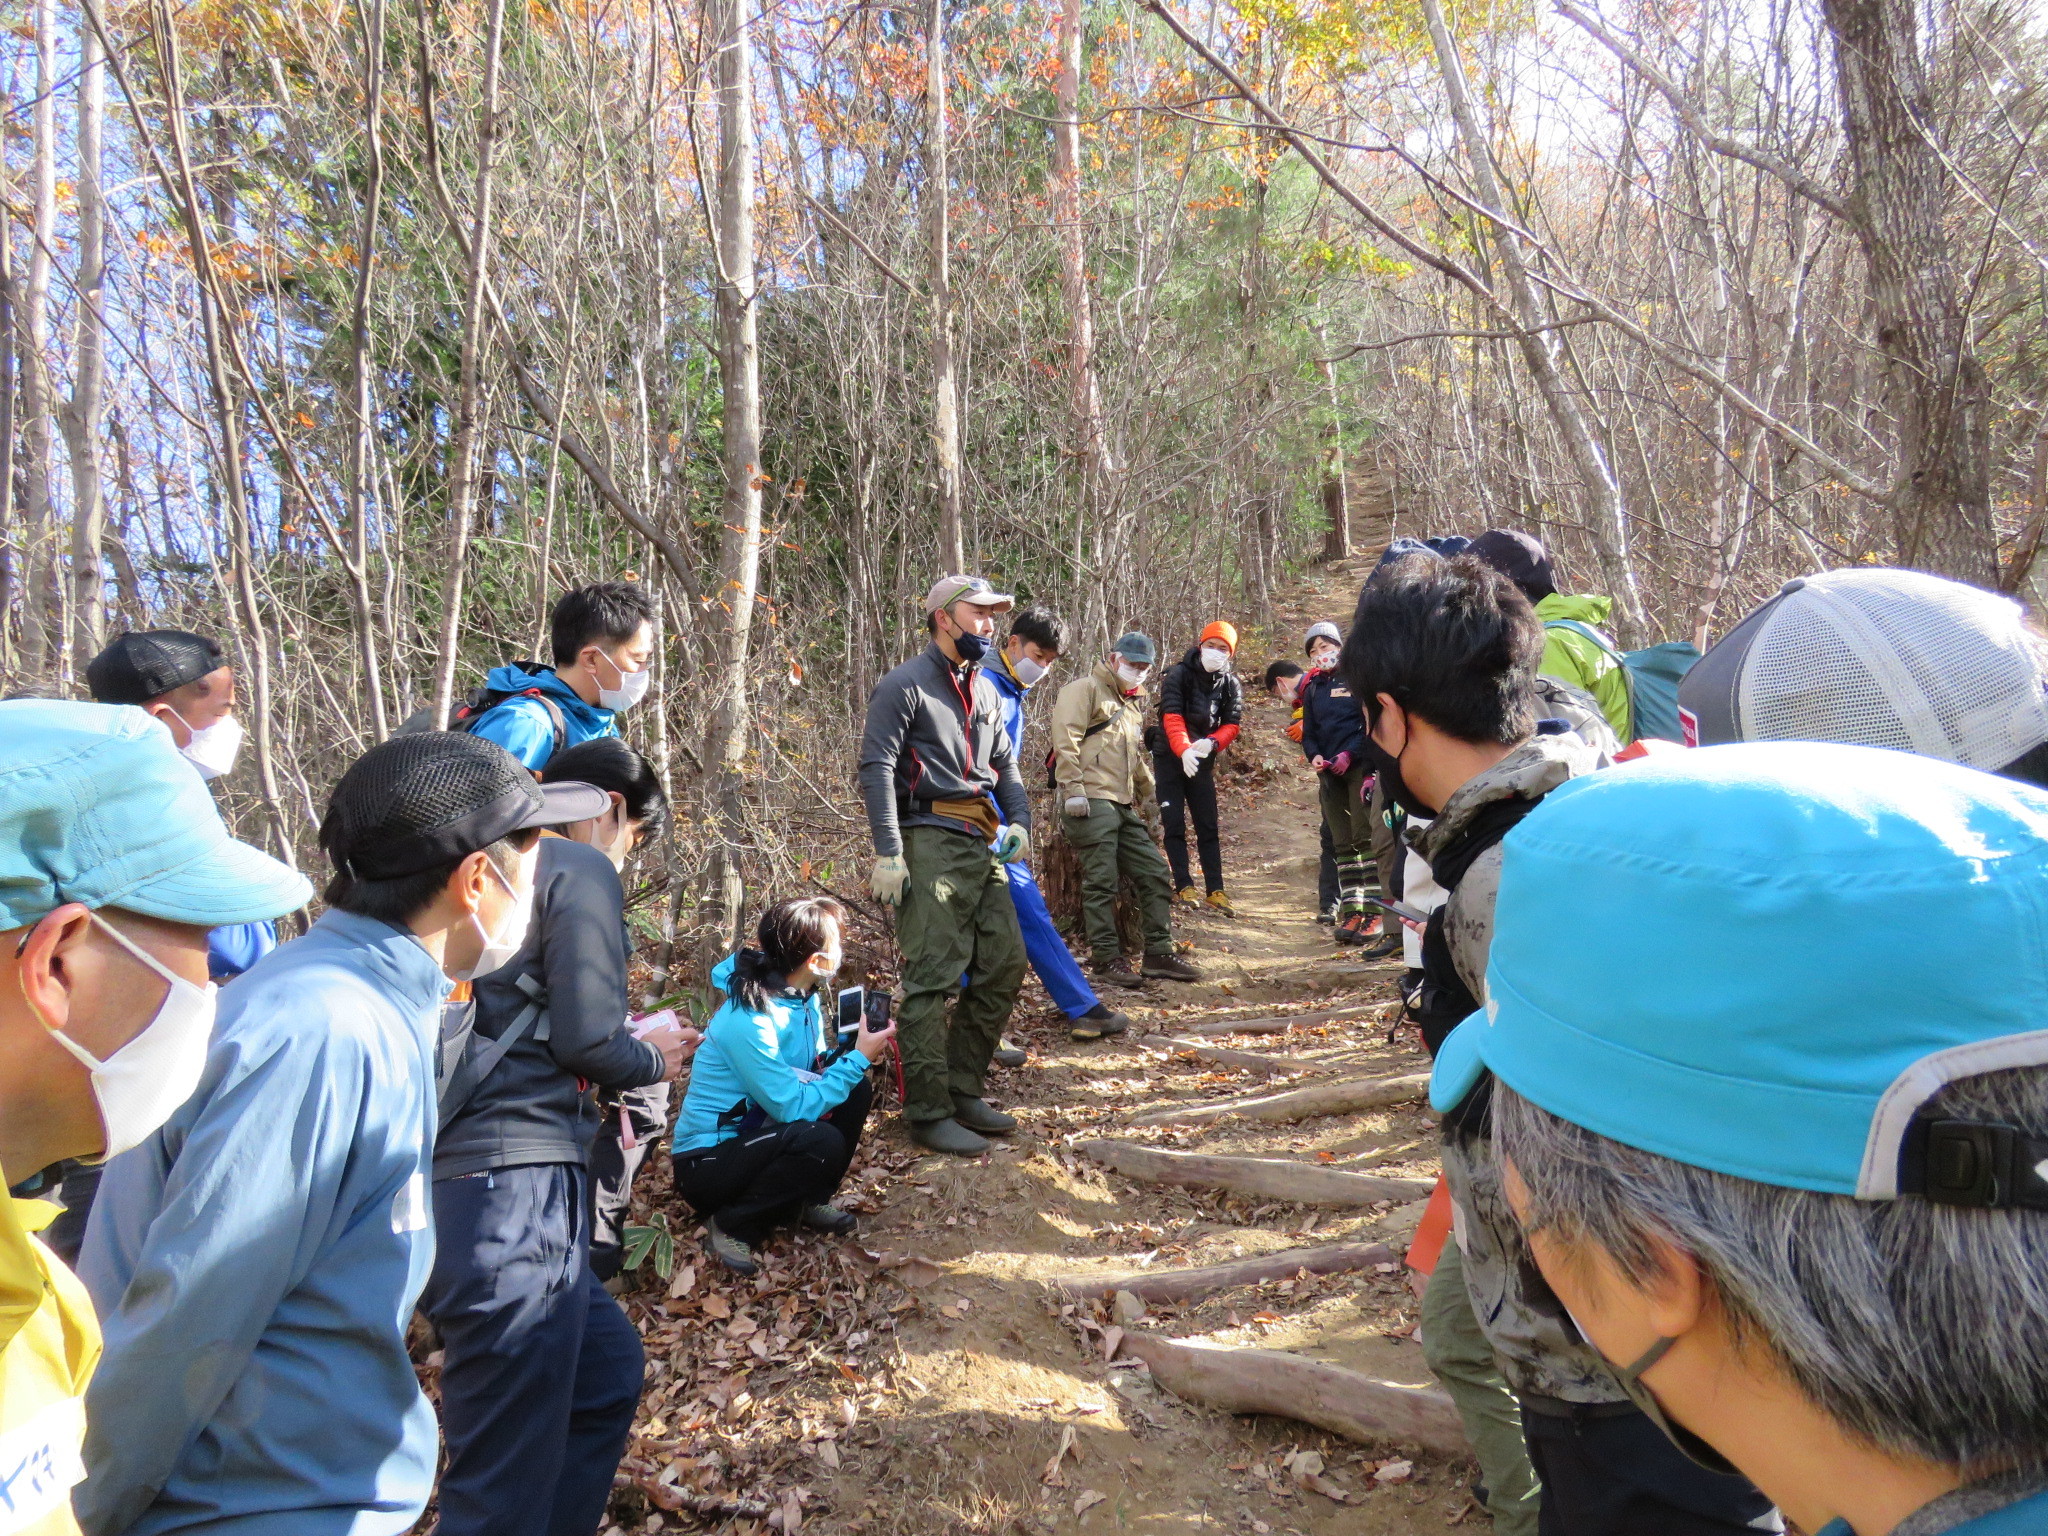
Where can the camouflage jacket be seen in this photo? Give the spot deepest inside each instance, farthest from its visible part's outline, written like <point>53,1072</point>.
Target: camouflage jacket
<point>1536,1346</point>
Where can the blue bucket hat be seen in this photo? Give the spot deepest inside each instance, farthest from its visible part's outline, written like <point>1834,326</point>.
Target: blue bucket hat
<point>97,807</point>
<point>1699,955</point>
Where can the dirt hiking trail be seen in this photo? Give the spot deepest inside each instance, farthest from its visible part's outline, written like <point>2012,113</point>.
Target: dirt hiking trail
<point>925,1379</point>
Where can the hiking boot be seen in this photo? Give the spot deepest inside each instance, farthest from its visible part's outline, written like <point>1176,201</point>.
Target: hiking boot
<point>1097,1023</point>
<point>729,1250</point>
<point>1008,1055</point>
<point>977,1116</point>
<point>1171,967</point>
<point>1351,928</point>
<point>1186,896</point>
<point>1118,972</point>
<point>1389,943</point>
<point>947,1135</point>
<point>1221,903</point>
<point>1328,916</point>
<point>829,1218</point>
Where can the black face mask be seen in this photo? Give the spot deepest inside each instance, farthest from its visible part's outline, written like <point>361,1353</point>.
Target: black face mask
<point>971,647</point>
<point>1388,768</point>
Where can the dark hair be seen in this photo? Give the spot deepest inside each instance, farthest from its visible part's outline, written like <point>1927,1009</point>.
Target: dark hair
<point>790,933</point>
<point>607,611</point>
<point>1453,641</point>
<point>1040,627</point>
<point>1276,670</point>
<point>610,764</point>
<point>399,901</point>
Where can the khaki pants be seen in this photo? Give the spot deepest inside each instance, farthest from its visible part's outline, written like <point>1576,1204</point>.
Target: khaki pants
<point>1350,822</point>
<point>1457,1351</point>
<point>1112,841</point>
<point>956,920</point>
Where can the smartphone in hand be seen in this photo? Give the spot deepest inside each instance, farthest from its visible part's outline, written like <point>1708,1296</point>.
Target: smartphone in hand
<point>1400,909</point>
<point>878,1005</point>
<point>853,1003</point>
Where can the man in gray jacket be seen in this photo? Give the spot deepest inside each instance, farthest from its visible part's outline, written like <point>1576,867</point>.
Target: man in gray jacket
<point>935,767</point>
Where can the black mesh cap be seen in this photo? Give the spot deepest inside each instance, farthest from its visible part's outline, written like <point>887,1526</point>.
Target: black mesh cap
<point>426,799</point>
<point>147,664</point>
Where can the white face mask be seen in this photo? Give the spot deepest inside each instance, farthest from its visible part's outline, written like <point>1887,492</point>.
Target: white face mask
<point>510,938</point>
<point>632,687</point>
<point>1134,677</point>
<point>1215,658</point>
<point>1027,670</point>
<point>213,749</point>
<point>142,1084</point>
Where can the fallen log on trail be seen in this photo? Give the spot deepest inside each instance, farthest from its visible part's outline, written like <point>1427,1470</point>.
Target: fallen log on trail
<point>1278,1024</point>
<point>1340,1098</point>
<point>1189,1284</point>
<point>1274,1178</point>
<point>1250,1061</point>
<point>1332,1397</point>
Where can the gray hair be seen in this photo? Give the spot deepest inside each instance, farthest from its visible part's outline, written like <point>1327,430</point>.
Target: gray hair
<point>1921,1327</point>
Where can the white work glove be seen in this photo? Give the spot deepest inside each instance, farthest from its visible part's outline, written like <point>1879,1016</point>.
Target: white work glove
<point>1013,844</point>
<point>1191,761</point>
<point>1203,747</point>
<point>1077,805</point>
<point>890,879</point>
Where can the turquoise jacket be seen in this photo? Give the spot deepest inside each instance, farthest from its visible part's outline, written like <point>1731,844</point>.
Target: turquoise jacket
<point>523,727</point>
<point>1573,658</point>
<point>765,1061</point>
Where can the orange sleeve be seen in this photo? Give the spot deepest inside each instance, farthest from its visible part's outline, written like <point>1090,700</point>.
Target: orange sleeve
<point>1223,736</point>
<point>1176,733</point>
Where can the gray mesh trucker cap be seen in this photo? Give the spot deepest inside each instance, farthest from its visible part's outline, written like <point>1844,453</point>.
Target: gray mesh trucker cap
<point>1878,657</point>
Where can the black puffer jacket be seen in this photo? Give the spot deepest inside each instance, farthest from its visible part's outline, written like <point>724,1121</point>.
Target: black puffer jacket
<point>1205,701</point>
<point>536,1105</point>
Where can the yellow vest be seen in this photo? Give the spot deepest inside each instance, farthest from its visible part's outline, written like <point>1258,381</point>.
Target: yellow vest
<point>49,1344</point>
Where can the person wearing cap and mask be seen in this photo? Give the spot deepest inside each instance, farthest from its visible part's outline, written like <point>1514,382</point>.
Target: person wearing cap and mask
<point>1796,1201</point>
<point>1577,651</point>
<point>114,865</point>
<point>1444,655</point>
<point>1201,705</point>
<point>947,810</point>
<point>184,681</point>
<point>602,640</point>
<point>541,1370</point>
<point>1102,776</point>
<point>256,1260</point>
<point>1027,653</point>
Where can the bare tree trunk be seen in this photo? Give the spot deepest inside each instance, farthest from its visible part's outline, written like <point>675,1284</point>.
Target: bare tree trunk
<point>42,632</point>
<point>372,17</point>
<point>740,385</point>
<point>945,387</point>
<point>1941,506</point>
<point>1608,517</point>
<point>80,418</point>
<point>1084,393</point>
<point>462,476</point>
<point>1336,487</point>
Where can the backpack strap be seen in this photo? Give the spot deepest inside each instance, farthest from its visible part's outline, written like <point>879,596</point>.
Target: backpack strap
<point>533,1019</point>
<point>1607,648</point>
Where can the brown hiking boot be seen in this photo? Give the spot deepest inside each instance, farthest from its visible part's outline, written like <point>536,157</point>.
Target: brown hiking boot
<point>1171,967</point>
<point>1221,903</point>
<point>1118,972</point>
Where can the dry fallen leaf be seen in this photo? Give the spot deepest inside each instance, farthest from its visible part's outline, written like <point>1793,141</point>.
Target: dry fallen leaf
<point>1395,1472</point>
<point>716,1306</point>
<point>1088,1500</point>
<point>684,1282</point>
<point>916,1271</point>
<point>828,1453</point>
<point>1053,1477</point>
<point>1111,1338</point>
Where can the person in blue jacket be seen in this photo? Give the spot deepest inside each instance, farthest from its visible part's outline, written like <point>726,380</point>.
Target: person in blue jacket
<point>602,638</point>
<point>1333,741</point>
<point>1026,655</point>
<point>255,1262</point>
<point>772,1117</point>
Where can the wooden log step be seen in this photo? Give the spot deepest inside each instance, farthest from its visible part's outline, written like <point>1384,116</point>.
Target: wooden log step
<point>1340,1098</point>
<point>1271,1178</point>
<point>1191,1284</point>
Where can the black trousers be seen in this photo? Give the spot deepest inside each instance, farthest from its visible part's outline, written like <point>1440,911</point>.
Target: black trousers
<point>763,1179</point>
<point>1179,798</point>
<point>541,1370</point>
<point>613,1167</point>
<point>1622,1476</point>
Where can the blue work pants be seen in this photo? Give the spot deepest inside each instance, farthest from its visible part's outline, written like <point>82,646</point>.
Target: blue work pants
<point>1045,949</point>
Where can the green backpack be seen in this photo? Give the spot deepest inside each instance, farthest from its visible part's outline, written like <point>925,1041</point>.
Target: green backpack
<point>1652,674</point>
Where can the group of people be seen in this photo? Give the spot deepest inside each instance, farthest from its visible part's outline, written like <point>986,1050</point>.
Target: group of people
<point>1745,1103</point>
<point>1750,1202</point>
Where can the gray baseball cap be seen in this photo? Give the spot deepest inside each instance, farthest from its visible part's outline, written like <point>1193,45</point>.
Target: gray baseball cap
<point>1136,648</point>
<point>1879,657</point>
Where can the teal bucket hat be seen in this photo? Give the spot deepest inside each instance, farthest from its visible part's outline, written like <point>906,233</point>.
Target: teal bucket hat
<point>97,807</point>
<point>1701,956</point>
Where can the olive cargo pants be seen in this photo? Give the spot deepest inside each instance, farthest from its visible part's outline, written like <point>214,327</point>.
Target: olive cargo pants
<point>1112,840</point>
<point>956,919</point>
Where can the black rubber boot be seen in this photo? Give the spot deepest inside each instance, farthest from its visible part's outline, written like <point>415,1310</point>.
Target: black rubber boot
<point>977,1116</point>
<point>1008,1055</point>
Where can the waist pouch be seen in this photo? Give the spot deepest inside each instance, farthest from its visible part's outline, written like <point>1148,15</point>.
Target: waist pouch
<point>977,813</point>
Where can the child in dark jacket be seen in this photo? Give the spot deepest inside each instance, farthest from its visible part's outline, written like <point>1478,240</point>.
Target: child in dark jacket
<point>1333,739</point>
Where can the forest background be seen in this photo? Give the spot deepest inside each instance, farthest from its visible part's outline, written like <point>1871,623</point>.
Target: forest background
<point>352,331</point>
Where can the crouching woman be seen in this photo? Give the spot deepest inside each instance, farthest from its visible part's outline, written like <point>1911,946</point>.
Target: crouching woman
<point>770,1121</point>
